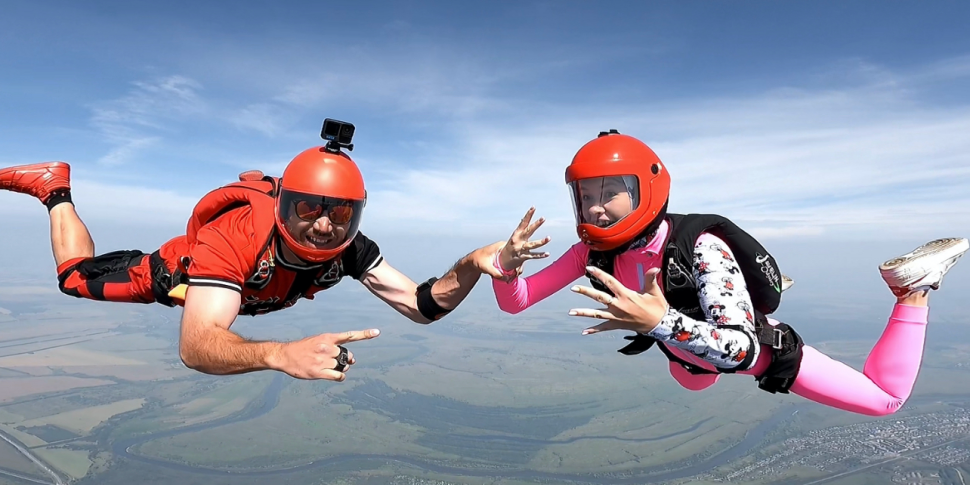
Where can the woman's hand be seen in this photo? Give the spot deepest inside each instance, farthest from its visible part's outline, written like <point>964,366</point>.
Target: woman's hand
<point>519,248</point>
<point>628,310</point>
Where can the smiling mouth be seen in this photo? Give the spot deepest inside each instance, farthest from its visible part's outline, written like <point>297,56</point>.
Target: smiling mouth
<point>602,223</point>
<point>319,240</point>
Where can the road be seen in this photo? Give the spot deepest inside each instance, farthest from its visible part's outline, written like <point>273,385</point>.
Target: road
<point>30,456</point>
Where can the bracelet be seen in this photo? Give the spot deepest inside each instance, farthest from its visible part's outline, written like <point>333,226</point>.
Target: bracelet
<point>496,261</point>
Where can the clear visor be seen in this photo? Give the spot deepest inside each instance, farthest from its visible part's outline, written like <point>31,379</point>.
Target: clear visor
<point>604,201</point>
<point>318,222</point>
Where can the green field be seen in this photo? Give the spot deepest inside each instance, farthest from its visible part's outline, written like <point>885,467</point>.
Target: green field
<point>484,399</point>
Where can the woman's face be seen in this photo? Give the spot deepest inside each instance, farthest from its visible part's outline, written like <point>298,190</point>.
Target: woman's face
<point>604,200</point>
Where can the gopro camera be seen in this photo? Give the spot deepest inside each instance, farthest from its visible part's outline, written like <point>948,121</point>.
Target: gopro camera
<point>338,134</point>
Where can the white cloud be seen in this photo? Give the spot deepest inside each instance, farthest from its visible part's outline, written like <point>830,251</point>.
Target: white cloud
<point>134,121</point>
<point>766,233</point>
<point>266,118</point>
<point>126,149</point>
<point>785,163</point>
<point>788,163</point>
<point>944,70</point>
<point>433,83</point>
<point>124,204</point>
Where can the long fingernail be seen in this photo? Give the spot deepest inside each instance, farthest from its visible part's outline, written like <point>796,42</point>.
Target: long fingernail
<point>575,288</point>
<point>573,313</point>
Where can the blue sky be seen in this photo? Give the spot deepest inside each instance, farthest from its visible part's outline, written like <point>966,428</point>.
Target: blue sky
<point>798,119</point>
<point>815,125</point>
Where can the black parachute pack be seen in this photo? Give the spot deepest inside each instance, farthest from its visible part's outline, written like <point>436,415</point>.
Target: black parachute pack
<point>762,279</point>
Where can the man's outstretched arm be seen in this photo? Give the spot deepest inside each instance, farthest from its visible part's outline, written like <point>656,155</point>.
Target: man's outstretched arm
<point>207,345</point>
<point>444,295</point>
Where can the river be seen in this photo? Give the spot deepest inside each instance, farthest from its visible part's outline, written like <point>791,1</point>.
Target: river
<point>268,401</point>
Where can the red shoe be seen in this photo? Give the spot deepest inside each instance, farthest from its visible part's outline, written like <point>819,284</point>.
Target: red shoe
<point>38,180</point>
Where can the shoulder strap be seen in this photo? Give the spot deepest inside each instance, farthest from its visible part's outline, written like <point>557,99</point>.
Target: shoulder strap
<point>258,194</point>
<point>676,268</point>
<point>606,260</point>
<point>760,270</point>
<point>761,274</point>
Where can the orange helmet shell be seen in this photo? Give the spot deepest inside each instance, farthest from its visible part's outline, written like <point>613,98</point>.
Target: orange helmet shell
<point>319,172</point>
<point>614,154</point>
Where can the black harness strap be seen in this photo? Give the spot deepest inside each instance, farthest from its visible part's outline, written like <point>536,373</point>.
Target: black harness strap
<point>762,278</point>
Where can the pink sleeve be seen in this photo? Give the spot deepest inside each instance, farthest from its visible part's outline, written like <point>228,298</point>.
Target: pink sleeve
<point>692,382</point>
<point>521,293</point>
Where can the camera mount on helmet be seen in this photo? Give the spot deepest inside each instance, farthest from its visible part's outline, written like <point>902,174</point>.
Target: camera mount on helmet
<point>338,134</point>
<point>612,131</point>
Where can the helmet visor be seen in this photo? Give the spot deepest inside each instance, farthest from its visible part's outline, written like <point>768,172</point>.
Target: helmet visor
<point>604,201</point>
<point>318,222</point>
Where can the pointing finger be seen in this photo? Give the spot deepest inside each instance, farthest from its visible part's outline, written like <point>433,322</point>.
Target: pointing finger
<point>355,335</point>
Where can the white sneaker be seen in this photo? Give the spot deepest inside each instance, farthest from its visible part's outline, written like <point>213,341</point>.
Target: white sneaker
<point>786,283</point>
<point>924,267</point>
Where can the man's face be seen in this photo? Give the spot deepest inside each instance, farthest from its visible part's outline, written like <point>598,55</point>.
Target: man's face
<point>316,226</point>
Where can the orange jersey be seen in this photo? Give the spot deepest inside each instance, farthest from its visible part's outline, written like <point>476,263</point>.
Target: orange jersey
<point>229,252</point>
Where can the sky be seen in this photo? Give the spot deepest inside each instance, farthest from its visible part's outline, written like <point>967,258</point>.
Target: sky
<point>811,124</point>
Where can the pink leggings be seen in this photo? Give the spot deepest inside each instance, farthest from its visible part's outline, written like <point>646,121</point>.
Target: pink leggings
<point>880,389</point>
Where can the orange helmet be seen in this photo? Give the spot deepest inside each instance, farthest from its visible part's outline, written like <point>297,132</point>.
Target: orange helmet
<point>619,189</point>
<point>323,190</point>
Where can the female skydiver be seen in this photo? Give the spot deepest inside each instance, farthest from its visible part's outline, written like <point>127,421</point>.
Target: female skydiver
<point>709,319</point>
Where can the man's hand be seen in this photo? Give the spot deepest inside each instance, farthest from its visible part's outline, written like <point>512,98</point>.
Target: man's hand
<point>483,259</point>
<point>316,357</point>
<point>207,345</point>
<point>399,291</point>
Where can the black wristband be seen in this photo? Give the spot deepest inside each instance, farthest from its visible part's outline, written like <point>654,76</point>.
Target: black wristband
<point>426,304</point>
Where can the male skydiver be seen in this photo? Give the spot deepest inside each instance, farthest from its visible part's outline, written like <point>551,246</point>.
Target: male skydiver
<point>251,247</point>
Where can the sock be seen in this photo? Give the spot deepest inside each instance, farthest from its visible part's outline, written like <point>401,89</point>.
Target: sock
<point>58,196</point>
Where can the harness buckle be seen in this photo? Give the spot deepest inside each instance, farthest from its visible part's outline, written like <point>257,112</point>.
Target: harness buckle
<point>676,276</point>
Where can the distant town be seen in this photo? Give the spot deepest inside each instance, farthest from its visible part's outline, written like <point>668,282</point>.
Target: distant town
<point>937,438</point>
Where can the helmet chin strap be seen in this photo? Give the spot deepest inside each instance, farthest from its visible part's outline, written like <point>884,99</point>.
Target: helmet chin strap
<point>605,260</point>
<point>287,256</point>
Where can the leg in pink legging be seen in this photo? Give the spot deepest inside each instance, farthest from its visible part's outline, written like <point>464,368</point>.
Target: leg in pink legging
<point>887,378</point>
<point>890,372</point>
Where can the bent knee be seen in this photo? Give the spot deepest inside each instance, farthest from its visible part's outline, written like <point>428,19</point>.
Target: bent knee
<point>68,279</point>
<point>889,408</point>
